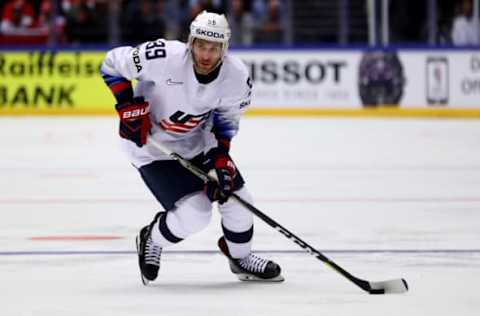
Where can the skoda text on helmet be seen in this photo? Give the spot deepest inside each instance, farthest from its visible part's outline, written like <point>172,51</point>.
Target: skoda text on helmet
<point>210,27</point>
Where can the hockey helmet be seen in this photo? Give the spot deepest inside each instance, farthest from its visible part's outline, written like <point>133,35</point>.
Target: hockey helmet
<point>210,27</point>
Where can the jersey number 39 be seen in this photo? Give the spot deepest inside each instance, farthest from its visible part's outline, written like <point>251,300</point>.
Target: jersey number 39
<point>155,50</point>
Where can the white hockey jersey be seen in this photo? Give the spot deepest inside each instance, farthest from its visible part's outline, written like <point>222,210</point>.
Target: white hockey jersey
<point>182,110</point>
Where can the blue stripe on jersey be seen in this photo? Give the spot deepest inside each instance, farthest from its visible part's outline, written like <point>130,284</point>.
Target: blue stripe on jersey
<point>121,87</point>
<point>110,80</point>
<point>222,127</point>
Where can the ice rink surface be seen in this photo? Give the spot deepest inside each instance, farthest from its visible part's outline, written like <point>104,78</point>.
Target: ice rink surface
<point>383,198</point>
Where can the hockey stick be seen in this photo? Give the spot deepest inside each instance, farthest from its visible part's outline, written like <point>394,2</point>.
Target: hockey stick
<point>381,287</point>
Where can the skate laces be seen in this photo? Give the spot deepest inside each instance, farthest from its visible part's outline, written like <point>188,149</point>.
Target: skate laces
<point>152,253</point>
<point>253,263</point>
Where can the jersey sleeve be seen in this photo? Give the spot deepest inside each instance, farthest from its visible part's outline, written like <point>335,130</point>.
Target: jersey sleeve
<point>141,62</point>
<point>237,98</point>
<point>144,62</point>
<point>124,62</point>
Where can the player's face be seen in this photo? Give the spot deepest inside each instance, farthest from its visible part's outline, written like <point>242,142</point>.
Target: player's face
<point>206,55</point>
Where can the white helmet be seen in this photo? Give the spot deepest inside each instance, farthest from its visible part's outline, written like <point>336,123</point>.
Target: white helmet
<point>211,27</point>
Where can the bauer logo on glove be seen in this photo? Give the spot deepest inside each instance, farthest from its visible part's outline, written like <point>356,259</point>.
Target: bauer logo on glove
<point>134,113</point>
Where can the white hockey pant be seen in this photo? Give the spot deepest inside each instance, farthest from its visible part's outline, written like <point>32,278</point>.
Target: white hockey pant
<point>194,213</point>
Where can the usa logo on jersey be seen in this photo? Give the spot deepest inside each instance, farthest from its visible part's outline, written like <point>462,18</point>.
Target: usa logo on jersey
<point>182,123</point>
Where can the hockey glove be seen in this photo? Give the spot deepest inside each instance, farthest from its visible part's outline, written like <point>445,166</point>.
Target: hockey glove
<point>134,120</point>
<point>225,171</point>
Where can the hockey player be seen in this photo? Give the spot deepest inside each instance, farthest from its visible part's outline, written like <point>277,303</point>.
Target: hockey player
<point>190,98</point>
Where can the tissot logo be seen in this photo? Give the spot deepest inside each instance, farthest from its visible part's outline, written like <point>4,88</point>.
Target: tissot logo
<point>291,72</point>
<point>210,33</point>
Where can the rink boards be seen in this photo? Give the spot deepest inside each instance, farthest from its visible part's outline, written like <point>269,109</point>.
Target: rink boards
<point>298,82</point>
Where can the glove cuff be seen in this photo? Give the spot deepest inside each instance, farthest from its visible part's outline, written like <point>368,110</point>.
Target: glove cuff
<point>121,89</point>
<point>224,162</point>
<point>223,147</point>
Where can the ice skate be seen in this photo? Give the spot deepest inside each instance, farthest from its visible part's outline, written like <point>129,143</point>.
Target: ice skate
<point>148,254</point>
<point>252,267</point>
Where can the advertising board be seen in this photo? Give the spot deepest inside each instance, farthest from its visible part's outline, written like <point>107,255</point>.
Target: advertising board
<point>50,82</point>
<point>305,81</point>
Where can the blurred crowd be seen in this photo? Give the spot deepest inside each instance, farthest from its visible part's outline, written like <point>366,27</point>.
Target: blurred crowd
<point>455,23</point>
<point>252,21</point>
<point>134,21</point>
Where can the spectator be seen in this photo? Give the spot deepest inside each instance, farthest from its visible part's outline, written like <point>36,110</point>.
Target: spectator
<point>17,18</point>
<point>407,21</point>
<point>464,29</point>
<point>51,22</point>
<point>271,29</point>
<point>146,22</point>
<point>84,24</point>
<point>177,13</point>
<point>445,13</point>
<point>241,23</point>
<point>216,6</point>
<point>258,9</point>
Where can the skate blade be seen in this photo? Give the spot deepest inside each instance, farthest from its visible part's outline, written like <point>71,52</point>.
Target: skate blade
<point>252,278</point>
<point>144,280</point>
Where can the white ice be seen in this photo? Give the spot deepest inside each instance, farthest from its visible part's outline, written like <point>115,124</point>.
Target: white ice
<point>383,198</point>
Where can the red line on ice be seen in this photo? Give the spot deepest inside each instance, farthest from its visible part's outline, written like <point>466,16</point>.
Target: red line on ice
<point>74,238</point>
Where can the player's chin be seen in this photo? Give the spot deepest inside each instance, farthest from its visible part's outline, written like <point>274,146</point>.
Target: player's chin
<point>206,68</point>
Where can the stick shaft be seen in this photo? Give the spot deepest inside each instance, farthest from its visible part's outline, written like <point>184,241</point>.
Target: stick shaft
<point>303,244</point>
<point>272,223</point>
